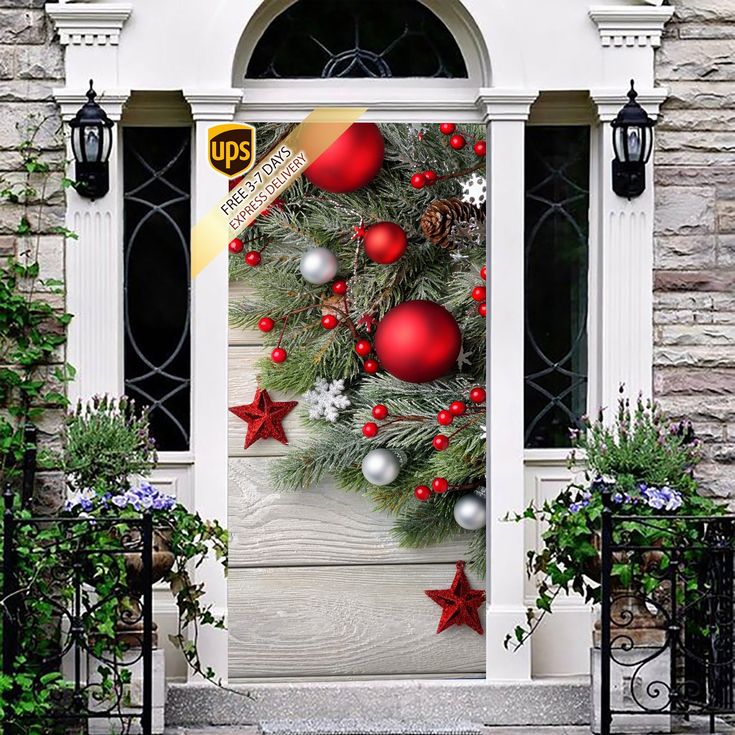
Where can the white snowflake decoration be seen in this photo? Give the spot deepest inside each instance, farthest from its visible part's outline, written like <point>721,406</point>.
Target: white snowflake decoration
<point>474,190</point>
<point>483,432</point>
<point>463,358</point>
<point>458,256</point>
<point>325,399</point>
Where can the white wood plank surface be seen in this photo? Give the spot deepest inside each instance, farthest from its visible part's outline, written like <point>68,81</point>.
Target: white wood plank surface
<point>345,621</point>
<point>320,526</point>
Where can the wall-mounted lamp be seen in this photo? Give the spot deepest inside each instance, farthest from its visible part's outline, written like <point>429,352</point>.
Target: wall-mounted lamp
<point>633,143</point>
<point>91,143</point>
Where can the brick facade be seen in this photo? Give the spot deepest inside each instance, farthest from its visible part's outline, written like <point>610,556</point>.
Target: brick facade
<point>694,279</point>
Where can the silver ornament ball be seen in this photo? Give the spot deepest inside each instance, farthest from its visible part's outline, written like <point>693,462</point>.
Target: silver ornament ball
<point>380,466</point>
<point>318,265</point>
<point>469,511</point>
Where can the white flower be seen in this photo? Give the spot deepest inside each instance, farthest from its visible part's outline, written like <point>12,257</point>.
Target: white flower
<point>474,190</point>
<point>325,399</point>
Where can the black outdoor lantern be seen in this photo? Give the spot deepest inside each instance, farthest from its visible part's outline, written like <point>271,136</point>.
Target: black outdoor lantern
<point>633,143</point>
<point>91,143</point>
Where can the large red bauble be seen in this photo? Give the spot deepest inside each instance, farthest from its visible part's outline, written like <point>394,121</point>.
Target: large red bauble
<point>418,341</point>
<point>351,162</point>
<point>385,242</point>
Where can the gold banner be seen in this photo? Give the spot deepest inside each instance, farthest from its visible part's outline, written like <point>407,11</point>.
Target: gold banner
<point>276,172</point>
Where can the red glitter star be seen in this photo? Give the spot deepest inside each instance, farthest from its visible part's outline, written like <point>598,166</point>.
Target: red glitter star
<point>264,417</point>
<point>460,603</point>
<point>359,231</point>
<point>368,320</point>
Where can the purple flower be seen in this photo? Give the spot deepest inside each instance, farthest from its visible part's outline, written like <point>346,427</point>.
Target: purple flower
<point>663,498</point>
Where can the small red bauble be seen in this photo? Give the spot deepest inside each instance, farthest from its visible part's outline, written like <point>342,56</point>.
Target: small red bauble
<point>444,418</point>
<point>363,347</point>
<point>483,273</point>
<point>351,162</point>
<point>480,147</point>
<point>236,245</point>
<point>478,395</point>
<point>370,366</point>
<point>440,442</point>
<point>279,355</point>
<point>418,181</point>
<point>329,321</point>
<point>439,485</point>
<point>253,258</point>
<point>430,177</point>
<point>457,142</point>
<point>482,309</point>
<point>380,412</point>
<point>370,429</point>
<point>339,288</point>
<point>266,324</point>
<point>447,128</point>
<point>478,293</point>
<point>422,493</point>
<point>385,242</point>
<point>458,408</point>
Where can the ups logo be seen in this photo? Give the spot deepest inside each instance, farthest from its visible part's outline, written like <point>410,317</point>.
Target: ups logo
<point>232,148</point>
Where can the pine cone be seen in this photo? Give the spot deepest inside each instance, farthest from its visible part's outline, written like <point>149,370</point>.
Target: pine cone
<point>442,214</point>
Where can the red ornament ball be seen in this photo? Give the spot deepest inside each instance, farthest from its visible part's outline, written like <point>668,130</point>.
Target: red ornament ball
<point>339,288</point>
<point>253,258</point>
<point>422,493</point>
<point>482,309</point>
<point>439,485</point>
<point>457,408</point>
<point>478,293</point>
<point>444,418</point>
<point>385,242</point>
<point>236,245</point>
<point>363,347</point>
<point>279,355</point>
<point>370,429</point>
<point>447,128</point>
<point>440,442</point>
<point>418,341</point>
<point>430,177</point>
<point>418,181</point>
<point>351,162</point>
<point>478,395</point>
<point>370,366</point>
<point>266,324</point>
<point>329,321</point>
<point>380,412</point>
<point>457,142</point>
<point>483,273</point>
<point>480,147</point>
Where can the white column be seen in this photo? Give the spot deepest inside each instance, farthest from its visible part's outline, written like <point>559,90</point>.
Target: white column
<point>209,369</point>
<point>622,234</point>
<point>506,112</point>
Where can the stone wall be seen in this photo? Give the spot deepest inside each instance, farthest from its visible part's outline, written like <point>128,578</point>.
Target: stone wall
<point>694,279</point>
<point>31,65</point>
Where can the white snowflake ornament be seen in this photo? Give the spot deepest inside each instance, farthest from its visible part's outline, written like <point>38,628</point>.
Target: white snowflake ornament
<point>463,358</point>
<point>325,399</point>
<point>474,190</point>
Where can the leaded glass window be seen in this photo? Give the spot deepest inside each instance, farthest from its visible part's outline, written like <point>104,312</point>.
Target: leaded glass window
<point>157,223</point>
<point>353,38</point>
<point>556,261</point>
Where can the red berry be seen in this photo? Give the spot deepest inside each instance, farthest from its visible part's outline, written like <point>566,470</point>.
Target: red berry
<point>363,347</point>
<point>444,418</point>
<point>458,408</point>
<point>236,245</point>
<point>370,429</point>
<point>480,147</point>
<point>440,442</point>
<point>457,142</point>
<point>439,485</point>
<point>430,177</point>
<point>482,309</point>
<point>478,395</point>
<point>380,412</point>
<point>418,181</point>
<point>478,293</point>
<point>266,324</point>
<point>339,288</point>
<point>279,355</point>
<point>447,128</point>
<point>422,493</point>
<point>483,273</point>
<point>370,366</point>
<point>253,258</point>
<point>329,321</point>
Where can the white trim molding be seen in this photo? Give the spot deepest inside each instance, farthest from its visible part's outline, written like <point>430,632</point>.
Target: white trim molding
<point>89,25</point>
<point>609,101</point>
<point>505,104</point>
<point>213,105</point>
<point>623,25</point>
<point>70,100</point>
